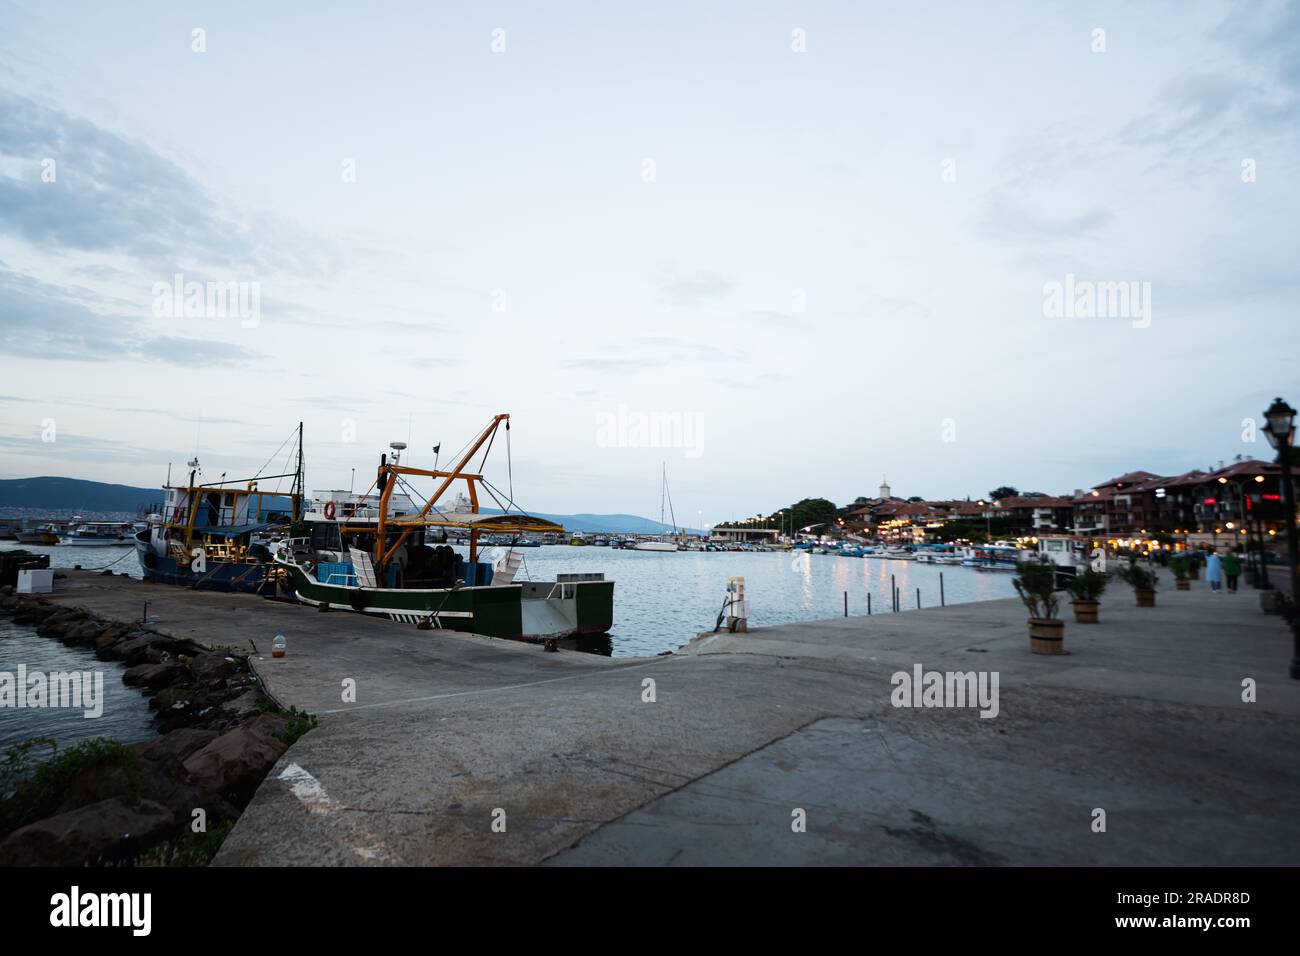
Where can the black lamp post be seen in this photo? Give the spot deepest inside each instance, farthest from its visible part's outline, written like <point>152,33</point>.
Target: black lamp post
<point>1280,428</point>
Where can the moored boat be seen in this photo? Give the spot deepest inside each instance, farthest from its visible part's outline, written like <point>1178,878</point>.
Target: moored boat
<point>44,534</point>
<point>399,566</point>
<point>98,534</point>
<point>218,536</point>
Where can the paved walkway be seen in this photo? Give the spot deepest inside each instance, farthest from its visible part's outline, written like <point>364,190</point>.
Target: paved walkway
<point>451,734</point>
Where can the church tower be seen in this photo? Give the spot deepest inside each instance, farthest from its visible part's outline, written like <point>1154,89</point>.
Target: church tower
<point>884,488</point>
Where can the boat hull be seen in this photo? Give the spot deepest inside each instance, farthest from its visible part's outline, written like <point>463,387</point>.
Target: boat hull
<point>37,537</point>
<point>217,576</point>
<point>655,546</point>
<point>496,611</point>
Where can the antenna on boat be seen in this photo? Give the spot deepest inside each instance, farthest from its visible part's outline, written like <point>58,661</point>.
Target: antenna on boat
<point>398,447</point>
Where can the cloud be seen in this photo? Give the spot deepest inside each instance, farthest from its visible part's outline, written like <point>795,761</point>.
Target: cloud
<point>108,195</point>
<point>1012,221</point>
<point>40,322</point>
<point>692,289</point>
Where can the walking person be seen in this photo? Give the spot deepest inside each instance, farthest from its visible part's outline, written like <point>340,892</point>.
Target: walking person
<point>1214,571</point>
<point>1231,570</point>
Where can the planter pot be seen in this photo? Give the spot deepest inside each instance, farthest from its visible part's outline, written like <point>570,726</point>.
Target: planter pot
<point>1194,574</point>
<point>1085,612</point>
<point>1046,636</point>
<point>1183,584</point>
<point>1145,598</point>
<point>1270,602</point>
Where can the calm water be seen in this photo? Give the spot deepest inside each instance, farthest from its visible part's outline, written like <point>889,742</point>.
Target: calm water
<point>126,715</point>
<point>662,600</point>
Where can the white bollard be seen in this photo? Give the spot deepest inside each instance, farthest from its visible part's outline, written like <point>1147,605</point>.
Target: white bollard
<point>737,608</point>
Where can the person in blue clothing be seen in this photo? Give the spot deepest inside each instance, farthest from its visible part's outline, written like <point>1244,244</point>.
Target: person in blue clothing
<point>1214,571</point>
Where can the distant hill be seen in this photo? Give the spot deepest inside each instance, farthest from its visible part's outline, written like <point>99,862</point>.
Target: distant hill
<point>77,494</point>
<point>74,494</point>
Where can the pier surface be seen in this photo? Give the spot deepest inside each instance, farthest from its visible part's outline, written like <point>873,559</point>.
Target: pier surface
<point>462,749</point>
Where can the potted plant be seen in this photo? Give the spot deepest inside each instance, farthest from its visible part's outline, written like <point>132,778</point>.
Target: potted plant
<point>1193,566</point>
<point>1143,583</point>
<point>1085,588</point>
<point>1035,582</point>
<point>1179,566</point>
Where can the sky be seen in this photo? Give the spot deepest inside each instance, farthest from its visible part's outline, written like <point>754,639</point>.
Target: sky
<point>811,244</point>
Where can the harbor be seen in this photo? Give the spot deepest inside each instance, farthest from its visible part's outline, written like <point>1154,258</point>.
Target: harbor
<point>587,763</point>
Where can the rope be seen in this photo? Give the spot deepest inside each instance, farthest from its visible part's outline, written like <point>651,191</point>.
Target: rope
<point>107,566</point>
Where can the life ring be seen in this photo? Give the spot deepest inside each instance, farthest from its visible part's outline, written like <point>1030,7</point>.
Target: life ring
<point>329,510</point>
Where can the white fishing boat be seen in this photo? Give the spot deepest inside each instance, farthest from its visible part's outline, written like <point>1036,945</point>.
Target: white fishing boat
<point>93,534</point>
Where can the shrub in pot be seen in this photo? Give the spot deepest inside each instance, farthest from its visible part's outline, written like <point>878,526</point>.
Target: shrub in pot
<point>1143,583</point>
<point>1035,582</point>
<point>1085,589</point>
<point>1180,567</point>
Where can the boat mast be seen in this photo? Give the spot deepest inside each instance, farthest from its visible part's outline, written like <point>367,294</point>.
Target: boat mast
<point>298,480</point>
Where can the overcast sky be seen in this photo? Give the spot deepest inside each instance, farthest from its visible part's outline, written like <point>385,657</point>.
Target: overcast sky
<point>815,235</point>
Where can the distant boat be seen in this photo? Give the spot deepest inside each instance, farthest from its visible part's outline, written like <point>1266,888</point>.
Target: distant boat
<point>45,534</point>
<point>578,539</point>
<point>100,534</point>
<point>665,542</point>
<point>8,532</point>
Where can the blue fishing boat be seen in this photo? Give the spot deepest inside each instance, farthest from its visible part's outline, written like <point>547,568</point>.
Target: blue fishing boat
<point>212,535</point>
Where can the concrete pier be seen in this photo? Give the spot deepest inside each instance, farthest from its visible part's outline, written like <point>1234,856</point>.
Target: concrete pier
<point>460,749</point>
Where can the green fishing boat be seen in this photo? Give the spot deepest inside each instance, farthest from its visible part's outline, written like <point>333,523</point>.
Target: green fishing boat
<point>385,555</point>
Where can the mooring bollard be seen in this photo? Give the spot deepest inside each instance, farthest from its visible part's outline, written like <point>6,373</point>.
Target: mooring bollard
<point>942,602</point>
<point>893,594</point>
<point>918,599</point>
<point>846,603</point>
<point>737,612</point>
<point>144,615</point>
<point>868,604</point>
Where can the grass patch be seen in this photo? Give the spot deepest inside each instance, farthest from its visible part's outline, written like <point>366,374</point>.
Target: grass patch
<point>32,790</point>
<point>192,849</point>
<point>299,723</point>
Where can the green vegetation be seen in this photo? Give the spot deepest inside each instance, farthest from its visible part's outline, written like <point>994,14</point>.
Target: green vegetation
<point>1180,566</point>
<point>299,723</point>
<point>1087,585</point>
<point>1138,578</point>
<point>192,849</point>
<point>801,514</point>
<point>1035,582</point>
<point>1004,491</point>
<point>31,790</point>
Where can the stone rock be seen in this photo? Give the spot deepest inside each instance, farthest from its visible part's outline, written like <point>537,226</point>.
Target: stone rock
<point>60,622</point>
<point>135,650</point>
<point>114,829</point>
<point>85,633</point>
<point>152,675</point>
<point>9,601</point>
<point>247,704</point>
<point>213,667</point>
<point>174,747</point>
<point>235,763</point>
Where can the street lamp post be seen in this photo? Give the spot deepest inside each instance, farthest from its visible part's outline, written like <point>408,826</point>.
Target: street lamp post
<point>1280,428</point>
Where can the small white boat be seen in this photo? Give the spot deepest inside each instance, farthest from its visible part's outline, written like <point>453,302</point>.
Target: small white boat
<point>898,554</point>
<point>655,546</point>
<point>99,534</point>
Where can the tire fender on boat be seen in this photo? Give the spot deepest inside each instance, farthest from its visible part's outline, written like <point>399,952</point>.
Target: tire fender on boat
<point>357,599</point>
